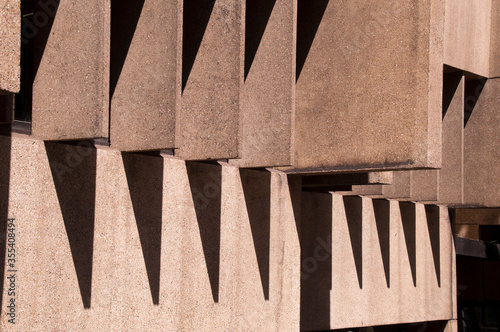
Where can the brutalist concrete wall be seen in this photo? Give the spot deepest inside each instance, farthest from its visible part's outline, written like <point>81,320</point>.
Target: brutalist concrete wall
<point>374,262</point>
<point>207,126</point>
<point>467,35</point>
<point>10,46</point>
<point>482,151</point>
<point>71,70</point>
<point>268,94</point>
<point>369,85</point>
<point>145,74</point>
<point>124,242</point>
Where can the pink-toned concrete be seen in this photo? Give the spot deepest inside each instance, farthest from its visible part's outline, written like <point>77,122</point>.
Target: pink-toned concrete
<point>482,149</point>
<point>207,125</point>
<point>369,92</point>
<point>152,243</point>
<point>71,87</point>
<point>366,254</point>
<point>145,71</point>
<point>267,103</point>
<point>467,35</point>
<point>256,283</point>
<point>10,46</point>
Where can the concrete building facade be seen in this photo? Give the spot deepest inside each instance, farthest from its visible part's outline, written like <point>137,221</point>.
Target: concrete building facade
<point>249,165</point>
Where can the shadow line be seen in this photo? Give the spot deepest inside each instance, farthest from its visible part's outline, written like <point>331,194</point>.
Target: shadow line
<point>258,13</point>
<point>125,16</point>
<point>195,21</point>
<point>450,84</point>
<point>309,16</point>
<point>433,220</point>
<point>73,170</point>
<point>408,219</point>
<point>205,181</point>
<point>34,30</point>
<point>354,213</point>
<point>145,181</point>
<point>382,210</point>
<point>257,191</point>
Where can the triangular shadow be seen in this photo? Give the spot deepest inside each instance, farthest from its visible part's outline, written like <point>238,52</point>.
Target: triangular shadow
<point>205,181</point>
<point>309,16</point>
<point>35,32</point>
<point>125,16</point>
<point>382,210</point>
<point>145,181</point>
<point>354,213</point>
<point>433,219</point>
<point>257,191</point>
<point>258,13</point>
<point>408,219</point>
<point>451,82</point>
<point>473,90</point>
<point>73,168</point>
<point>196,16</point>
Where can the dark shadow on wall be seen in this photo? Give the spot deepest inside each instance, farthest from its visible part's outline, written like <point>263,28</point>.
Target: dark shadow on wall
<point>73,169</point>
<point>196,15</point>
<point>354,213</point>
<point>408,219</point>
<point>309,16</point>
<point>37,27</point>
<point>145,182</point>
<point>205,180</point>
<point>316,261</point>
<point>5,157</point>
<point>258,13</point>
<point>433,221</point>
<point>473,90</point>
<point>125,16</point>
<point>451,80</point>
<point>382,210</point>
<point>257,190</point>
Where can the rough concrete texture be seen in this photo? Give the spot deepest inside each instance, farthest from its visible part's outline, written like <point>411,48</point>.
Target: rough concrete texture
<point>145,74</point>
<point>495,39</point>
<point>10,46</point>
<point>71,84</point>
<point>359,254</point>
<point>207,126</point>
<point>146,243</point>
<point>267,102</point>
<point>482,149</point>
<point>451,177</point>
<point>445,186</point>
<point>127,242</point>
<point>369,86</point>
<point>477,216</point>
<point>467,35</point>
<point>401,187</point>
